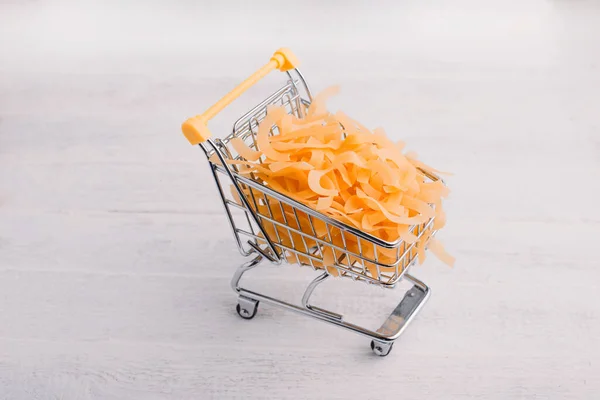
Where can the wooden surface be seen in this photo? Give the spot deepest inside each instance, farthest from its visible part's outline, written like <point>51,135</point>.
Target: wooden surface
<point>115,256</point>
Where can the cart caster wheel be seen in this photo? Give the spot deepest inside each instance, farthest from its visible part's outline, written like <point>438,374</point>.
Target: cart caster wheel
<point>381,349</point>
<point>247,313</point>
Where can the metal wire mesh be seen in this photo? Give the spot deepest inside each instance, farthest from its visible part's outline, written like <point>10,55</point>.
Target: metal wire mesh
<point>302,235</point>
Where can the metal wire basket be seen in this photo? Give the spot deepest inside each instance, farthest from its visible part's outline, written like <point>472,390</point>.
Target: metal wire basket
<point>272,226</point>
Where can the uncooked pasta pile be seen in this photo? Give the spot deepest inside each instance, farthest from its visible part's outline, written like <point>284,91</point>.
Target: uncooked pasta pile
<point>340,168</point>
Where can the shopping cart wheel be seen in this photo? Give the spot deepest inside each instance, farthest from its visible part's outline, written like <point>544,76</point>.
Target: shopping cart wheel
<point>381,349</point>
<point>246,308</point>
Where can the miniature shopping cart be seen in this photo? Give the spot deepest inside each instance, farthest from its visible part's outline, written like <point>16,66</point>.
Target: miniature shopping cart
<point>249,219</point>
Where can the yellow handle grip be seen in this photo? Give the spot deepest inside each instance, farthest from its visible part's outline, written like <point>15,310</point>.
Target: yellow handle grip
<point>195,129</point>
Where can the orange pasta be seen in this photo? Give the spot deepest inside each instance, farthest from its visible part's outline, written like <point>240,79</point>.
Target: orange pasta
<point>337,166</point>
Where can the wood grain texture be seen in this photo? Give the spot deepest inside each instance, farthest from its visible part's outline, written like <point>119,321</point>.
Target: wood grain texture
<point>115,256</point>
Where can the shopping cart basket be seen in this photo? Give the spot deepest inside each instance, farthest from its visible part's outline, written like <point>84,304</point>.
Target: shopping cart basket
<point>255,212</point>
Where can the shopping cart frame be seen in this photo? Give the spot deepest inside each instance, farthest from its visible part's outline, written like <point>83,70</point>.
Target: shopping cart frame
<point>254,241</point>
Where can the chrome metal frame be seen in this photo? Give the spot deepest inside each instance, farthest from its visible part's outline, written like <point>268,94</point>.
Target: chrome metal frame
<point>252,209</point>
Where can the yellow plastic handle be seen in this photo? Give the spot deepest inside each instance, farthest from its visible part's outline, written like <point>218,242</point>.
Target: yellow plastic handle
<point>195,129</point>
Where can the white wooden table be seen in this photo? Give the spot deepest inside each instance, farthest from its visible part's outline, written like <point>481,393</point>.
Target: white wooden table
<point>115,256</point>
